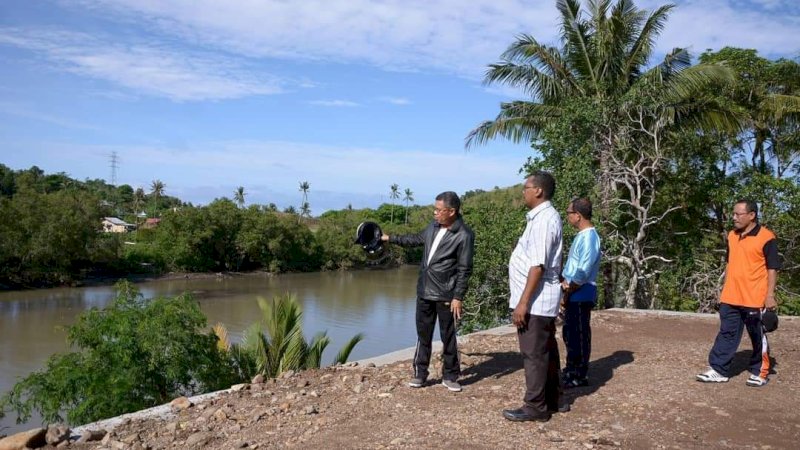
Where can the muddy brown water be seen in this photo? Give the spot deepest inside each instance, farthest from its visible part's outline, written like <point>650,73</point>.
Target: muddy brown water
<point>378,303</point>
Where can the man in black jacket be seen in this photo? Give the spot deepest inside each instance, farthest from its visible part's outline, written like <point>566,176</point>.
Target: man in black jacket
<point>443,275</point>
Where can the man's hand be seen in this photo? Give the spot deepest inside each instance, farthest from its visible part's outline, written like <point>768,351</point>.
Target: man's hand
<point>520,315</point>
<point>564,285</point>
<point>770,302</point>
<point>455,308</point>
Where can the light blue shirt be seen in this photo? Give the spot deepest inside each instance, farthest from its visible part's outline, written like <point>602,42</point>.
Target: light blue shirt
<point>583,264</point>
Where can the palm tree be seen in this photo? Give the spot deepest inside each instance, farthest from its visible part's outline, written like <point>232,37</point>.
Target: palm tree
<point>603,57</point>
<point>277,344</point>
<point>304,186</point>
<point>157,191</point>
<point>409,197</point>
<point>394,195</point>
<point>238,196</point>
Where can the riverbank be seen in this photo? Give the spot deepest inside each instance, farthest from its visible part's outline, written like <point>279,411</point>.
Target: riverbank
<point>642,395</point>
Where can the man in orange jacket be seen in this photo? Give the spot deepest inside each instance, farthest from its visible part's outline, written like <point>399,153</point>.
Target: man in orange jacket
<point>749,289</point>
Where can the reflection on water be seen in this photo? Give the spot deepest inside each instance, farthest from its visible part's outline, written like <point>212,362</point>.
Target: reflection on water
<point>379,303</point>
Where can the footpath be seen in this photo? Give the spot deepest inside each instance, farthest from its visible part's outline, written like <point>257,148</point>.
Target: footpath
<point>642,395</point>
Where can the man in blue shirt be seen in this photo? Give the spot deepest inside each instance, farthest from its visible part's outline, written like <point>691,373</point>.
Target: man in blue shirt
<point>580,292</point>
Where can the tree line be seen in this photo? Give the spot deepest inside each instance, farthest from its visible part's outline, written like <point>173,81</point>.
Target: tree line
<point>50,232</point>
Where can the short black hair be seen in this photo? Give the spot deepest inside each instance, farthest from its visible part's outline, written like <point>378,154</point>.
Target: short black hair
<point>583,207</point>
<point>450,200</point>
<point>750,205</point>
<point>545,181</point>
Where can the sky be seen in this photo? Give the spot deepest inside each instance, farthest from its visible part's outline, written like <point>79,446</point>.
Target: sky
<point>351,96</point>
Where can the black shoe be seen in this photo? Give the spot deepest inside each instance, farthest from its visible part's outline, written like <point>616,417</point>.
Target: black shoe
<point>519,415</point>
<point>576,382</point>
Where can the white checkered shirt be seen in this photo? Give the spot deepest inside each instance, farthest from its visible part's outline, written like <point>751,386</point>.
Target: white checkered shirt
<point>540,244</point>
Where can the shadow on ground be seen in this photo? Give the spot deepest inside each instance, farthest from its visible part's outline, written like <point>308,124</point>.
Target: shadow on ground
<point>601,371</point>
<point>741,363</point>
<point>498,365</point>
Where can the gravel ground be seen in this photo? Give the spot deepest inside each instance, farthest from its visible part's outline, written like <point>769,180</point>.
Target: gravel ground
<point>642,395</point>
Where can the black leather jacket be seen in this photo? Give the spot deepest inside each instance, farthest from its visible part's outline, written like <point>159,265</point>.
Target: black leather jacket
<point>445,278</point>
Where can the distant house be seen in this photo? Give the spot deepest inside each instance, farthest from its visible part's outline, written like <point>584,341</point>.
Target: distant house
<point>115,225</point>
<point>151,222</point>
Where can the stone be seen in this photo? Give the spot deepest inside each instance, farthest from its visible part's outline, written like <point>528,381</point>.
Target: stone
<point>198,439</point>
<point>91,435</point>
<point>371,365</point>
<point>302,384</point>
<point>34,438</point>
<point>288,374</point>
<point>56,434</point>
<point>131,438</point>
<point>240,444</point>
<point>357,388</point>
<point>239,387</point>
<point>311,409</point>
<point>181,403</point>
<point>258,379</point>
<point>397,441</point>
<point>172,427</point>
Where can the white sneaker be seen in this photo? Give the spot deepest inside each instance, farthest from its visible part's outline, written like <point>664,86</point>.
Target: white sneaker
<point>756,381</point>
<point>711,376</point>
<point>452,385</point>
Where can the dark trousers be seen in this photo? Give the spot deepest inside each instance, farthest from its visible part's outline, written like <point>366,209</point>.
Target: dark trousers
<point>577,334</point>
<point>537,344</point>
<point>427,312</point>
<point>732,321</point>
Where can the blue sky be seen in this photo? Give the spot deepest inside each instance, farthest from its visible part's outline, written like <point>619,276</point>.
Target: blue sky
<point>349,95</point>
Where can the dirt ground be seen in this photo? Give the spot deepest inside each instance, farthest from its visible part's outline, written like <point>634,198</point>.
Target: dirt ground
<point>642,395</point>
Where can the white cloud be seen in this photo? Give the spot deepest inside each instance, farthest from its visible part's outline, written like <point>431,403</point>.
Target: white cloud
<point>152,68</point>
<point>334,103</point>
<point>704,24</point>
<point>453,36</point>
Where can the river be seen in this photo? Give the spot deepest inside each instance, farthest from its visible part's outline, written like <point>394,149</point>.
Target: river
<point>378,303</point>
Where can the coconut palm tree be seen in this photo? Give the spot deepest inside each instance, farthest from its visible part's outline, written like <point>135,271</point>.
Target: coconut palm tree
<point>408,198</point>
<point>238,196</point>
<point>304,187</point>
<point>602,58</point>
<point>157,191</point>
<point>394,195</point>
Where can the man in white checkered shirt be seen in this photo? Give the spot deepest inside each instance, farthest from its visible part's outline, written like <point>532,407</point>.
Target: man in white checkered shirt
<point>533,274</point>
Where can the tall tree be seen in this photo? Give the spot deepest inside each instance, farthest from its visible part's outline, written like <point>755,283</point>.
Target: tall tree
<point>304,187</point>
<point>408,198</point>
<point>157,191</point>
<point>394,195</point>
<point>238,196</point>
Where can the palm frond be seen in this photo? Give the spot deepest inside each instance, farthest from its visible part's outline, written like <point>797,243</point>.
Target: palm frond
<point>223,343</point>
<point>642,48</point>
<point>344,353</point>
<point>315,349</point>
<point>518,121</point>
<point>577,37</point>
